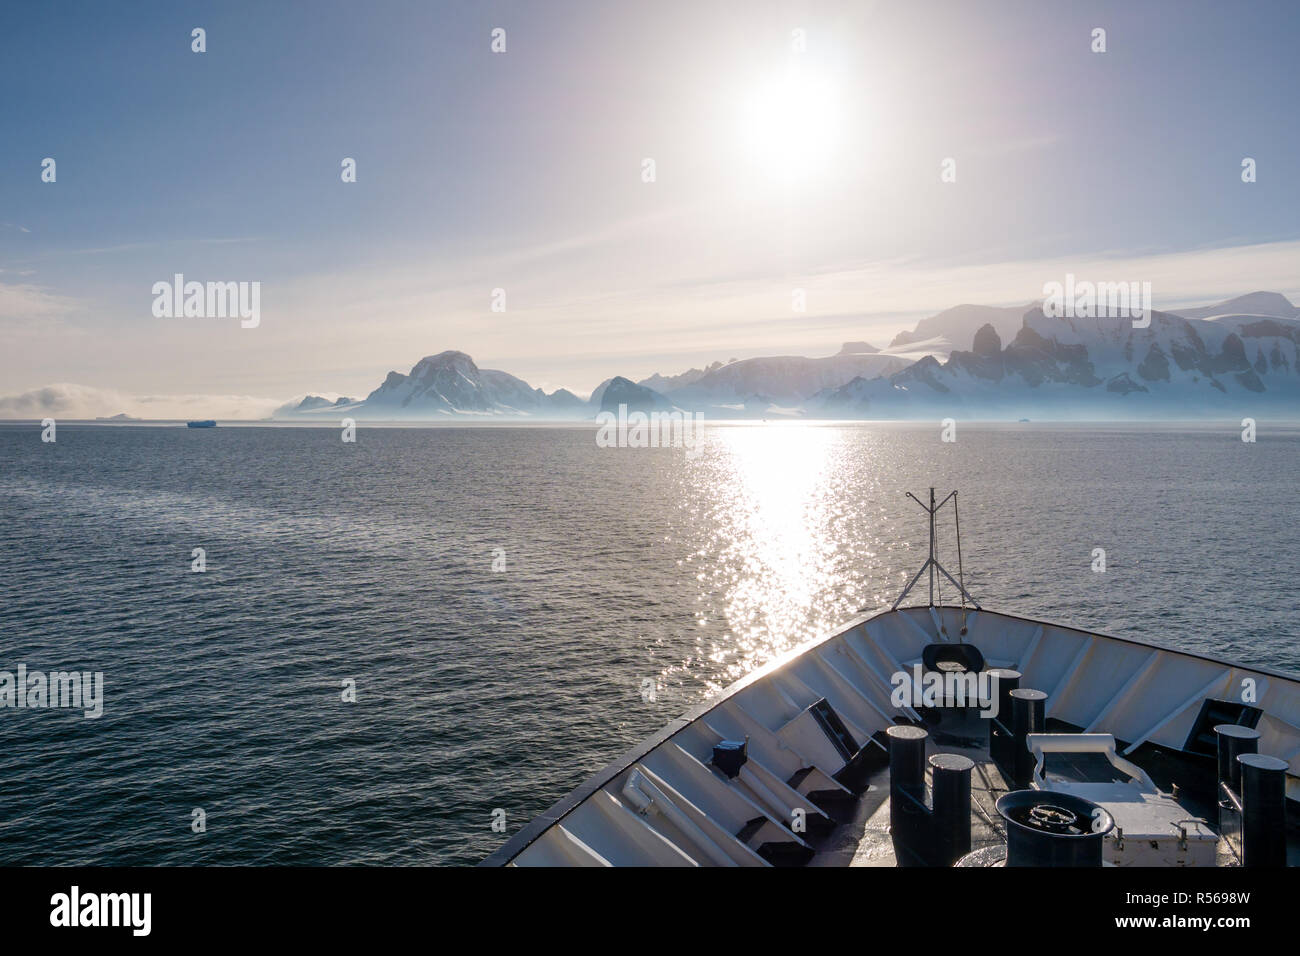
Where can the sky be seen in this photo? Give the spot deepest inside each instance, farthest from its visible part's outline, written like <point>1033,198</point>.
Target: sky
<point>795,145</point>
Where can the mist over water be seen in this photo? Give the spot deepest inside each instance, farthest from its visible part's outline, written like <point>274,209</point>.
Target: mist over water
<point>479,689</point>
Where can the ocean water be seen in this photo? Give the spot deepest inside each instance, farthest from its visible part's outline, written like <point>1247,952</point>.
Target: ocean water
<point>481,688</point>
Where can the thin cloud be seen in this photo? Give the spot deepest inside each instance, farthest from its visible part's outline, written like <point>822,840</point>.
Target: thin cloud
<point>24,300</point>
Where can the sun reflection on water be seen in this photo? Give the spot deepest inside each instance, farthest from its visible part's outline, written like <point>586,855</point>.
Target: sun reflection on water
<point>771,563</point>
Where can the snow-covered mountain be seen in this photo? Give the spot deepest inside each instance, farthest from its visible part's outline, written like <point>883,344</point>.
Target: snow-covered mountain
<point>858,348</point>
<point>781,381</point>
<point>312,405</point>
<point>666,383</point>
<point>955,328</point>
<point>638,398</point>
<point>450,385</point>
<point>1238,356</point>
<point>1254,303</point>
<point>1094,368</point>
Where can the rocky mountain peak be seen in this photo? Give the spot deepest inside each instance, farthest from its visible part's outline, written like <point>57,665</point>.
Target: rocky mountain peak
<point>987,341</point>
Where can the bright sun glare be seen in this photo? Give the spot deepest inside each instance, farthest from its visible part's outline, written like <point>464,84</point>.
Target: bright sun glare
<point>790,126</point>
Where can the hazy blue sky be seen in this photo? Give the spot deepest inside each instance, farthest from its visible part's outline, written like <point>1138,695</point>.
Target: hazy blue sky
<point>523,170</point>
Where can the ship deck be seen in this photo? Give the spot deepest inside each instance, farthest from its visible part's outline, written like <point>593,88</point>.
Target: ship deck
<point>812,729</point>
<point>865,839</point>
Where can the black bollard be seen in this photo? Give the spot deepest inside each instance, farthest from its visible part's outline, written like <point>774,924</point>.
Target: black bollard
<point>1000,723</point>
<point>1234,740</point>
<point>908,815</point>
<point>1028,716</point>
<point>950,784</point>
<point>1263,806</point>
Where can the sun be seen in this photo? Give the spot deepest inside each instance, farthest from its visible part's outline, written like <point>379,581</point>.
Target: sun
<point>790,127</point>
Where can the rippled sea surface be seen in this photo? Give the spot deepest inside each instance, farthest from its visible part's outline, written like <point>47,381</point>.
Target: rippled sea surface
<point>479,689</point>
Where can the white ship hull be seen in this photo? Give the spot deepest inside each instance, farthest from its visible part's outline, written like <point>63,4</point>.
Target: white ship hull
<point>799,799</point>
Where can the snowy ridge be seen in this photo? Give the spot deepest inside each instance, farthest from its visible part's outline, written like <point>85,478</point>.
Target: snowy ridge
<point>1240,356</point>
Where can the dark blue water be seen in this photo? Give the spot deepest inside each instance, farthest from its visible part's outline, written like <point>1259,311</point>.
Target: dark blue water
<point>480,689</point>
